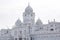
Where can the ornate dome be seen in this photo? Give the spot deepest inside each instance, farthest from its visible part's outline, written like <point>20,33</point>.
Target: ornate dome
<point>18,23</point>
<point>28,9</point>
<point>39,22</point>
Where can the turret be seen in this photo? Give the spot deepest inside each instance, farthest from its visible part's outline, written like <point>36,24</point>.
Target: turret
<point>28,15</point>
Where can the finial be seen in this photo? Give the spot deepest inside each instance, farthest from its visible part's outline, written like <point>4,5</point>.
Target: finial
<point>48,21</point>
<point>54,20</point>
<point>28,4</point>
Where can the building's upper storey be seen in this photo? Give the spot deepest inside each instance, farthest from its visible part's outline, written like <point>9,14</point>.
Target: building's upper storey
<point>29,19</point>
<point>39,27</point>
<point>50,28</point>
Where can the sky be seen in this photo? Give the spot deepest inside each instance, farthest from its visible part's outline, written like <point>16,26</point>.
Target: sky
<point>11,10</point>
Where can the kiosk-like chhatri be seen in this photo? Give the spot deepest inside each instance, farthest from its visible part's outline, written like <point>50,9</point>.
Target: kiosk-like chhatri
<point>31,30</point>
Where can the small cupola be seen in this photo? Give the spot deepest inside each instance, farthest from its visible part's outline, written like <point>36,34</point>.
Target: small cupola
<point>28,9</point>
<point>18,23</point>
<point>38,22</point>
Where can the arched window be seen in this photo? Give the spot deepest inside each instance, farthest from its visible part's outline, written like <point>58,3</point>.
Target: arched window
<point>41,28</point>
<point>20,38</point>
<point>31,38</point>
<point>15,38</point>
<point>52,29</point>
<point>20,32</point>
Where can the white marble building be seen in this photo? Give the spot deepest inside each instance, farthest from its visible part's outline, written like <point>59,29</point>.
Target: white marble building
<point>31,30</point>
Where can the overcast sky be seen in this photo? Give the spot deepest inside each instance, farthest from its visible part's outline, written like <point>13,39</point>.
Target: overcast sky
<point>11,10</point>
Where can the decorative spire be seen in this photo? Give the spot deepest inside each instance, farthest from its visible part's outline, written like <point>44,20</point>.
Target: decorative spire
<point>54,20</point>
<point>48,21</point>
<point>28,4</point>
